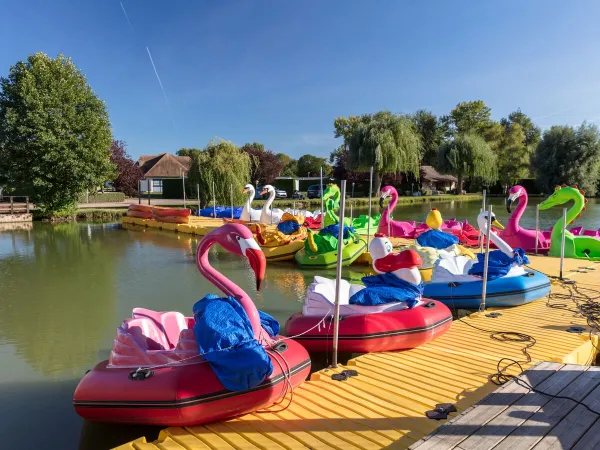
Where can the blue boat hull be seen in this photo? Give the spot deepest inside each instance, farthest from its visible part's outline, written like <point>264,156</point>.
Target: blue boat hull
<point>512,291</point>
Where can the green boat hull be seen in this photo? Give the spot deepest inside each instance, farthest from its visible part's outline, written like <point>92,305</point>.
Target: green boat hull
<point>328,260</point>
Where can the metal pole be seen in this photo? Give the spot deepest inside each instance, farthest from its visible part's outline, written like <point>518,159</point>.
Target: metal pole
<point>562,242</point>
<point>148,191</point>
<point>198,192</point>
<point>231,192</point>
<point>322,207</point>
<point>351,211</point>
<point>27,203</point>
<point>139,192</point>
<point>183,185</point>
<point>483,201</point>
<point>338,276</point>
<point>486,260</point>
<point>537,226</point>
<point>369,218</point>
<point>12,208</point>
<point>480,237</point>
<point>294,207</point>
<point>214,201</point>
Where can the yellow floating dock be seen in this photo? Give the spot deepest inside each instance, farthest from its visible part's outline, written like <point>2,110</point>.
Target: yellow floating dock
<point>384,406</point>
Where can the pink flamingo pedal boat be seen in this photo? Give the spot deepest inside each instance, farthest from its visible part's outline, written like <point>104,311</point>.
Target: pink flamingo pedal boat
<point>155,374</point>
<point>513,234</point>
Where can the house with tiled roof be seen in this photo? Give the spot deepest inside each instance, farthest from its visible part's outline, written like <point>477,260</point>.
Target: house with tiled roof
<point>432,180</point>
<point>157,168</point>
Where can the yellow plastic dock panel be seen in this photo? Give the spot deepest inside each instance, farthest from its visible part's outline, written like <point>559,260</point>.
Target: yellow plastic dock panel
<point>384,406</point>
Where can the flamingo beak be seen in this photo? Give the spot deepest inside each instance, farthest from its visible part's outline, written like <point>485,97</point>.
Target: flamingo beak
<point>509,201</point>
<point>258,263</point>
<point>382,198</point>
<point>498,225</point>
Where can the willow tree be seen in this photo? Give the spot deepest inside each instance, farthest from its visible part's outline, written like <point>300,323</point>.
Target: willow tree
<point>223,163</point>
<point>468,155</point>
<point>386,142</point>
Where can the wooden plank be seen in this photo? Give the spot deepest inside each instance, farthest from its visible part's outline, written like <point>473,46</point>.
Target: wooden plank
<point>573,426</point>
<point>591,439</point>
<point>508,420</point>
<point>457,430</point>
<point>544,420</point>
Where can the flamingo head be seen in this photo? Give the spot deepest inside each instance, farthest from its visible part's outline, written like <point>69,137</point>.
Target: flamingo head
<point>514,193</point>
<point>268,188</point>
<point>248,188</point>
<point>238,239</point>
<point>386,191</point>
<point>434,219</point>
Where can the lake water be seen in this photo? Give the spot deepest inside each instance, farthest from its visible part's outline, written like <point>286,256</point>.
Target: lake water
<point>65,288</point>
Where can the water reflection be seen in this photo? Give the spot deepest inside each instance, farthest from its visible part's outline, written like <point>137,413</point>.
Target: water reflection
<point>55,312</point>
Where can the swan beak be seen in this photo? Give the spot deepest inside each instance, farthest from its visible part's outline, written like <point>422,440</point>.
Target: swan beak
<point>258,263</point>
<point>244,191</point>
<point>263,192</point>
<point>498,225</point>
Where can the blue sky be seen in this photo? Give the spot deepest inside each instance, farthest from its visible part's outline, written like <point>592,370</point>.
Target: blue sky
<point>279,72</point>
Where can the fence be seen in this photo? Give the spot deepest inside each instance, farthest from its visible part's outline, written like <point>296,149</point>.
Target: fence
<point>12,205</point>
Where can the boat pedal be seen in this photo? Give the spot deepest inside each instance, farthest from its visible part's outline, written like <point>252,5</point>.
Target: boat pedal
<point>140,374</point>
<point>575,329</point>
<point>493,315</point>
<point>441,411</point>
<point>529,274</point>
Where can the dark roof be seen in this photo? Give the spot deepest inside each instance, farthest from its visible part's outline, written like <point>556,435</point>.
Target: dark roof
<point>428,173</point>
<point>164,165</point>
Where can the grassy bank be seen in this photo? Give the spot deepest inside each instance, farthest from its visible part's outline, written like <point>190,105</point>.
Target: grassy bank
<point>87,214</point>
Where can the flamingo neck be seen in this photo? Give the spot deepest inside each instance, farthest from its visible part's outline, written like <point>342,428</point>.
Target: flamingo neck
<point>227,286</point>
<point>515,217</point>
<point>393,202</point>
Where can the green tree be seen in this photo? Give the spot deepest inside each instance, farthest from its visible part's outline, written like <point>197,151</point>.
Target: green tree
<point>55,135</point>
<point>290,165</point>
<point>467,118</point>
<point>223,163</point>
<point>387,142</point>
<point>265,166</point>
<point>468,155</point>
<point>514,157</point>
<point>530,130</point>
<point>188,152</point>
<point>312,164</point>
<point>428,127</point>
<point>568,155</point>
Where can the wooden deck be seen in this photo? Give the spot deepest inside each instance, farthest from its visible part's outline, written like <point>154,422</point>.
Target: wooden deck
<point>385,405</point>
<point>518,418</point>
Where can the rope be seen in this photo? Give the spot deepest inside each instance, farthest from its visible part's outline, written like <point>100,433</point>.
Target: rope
<point>586,306</point>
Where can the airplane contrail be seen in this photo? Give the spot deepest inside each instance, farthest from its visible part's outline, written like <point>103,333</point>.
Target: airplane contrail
<point>126,16</point>
<point>163,89</point>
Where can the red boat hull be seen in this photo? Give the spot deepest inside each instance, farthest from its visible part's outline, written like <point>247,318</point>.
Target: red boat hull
<point>182,395</point>
<point>377,332</point>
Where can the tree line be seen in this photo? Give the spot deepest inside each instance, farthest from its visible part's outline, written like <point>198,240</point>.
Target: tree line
<point>469,144</point>
<point>56,141</point>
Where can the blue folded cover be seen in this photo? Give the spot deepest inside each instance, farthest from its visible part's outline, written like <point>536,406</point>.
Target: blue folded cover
<point>499,264</point>
<point>226,339</point>
<point>387,288</point>
<point>334,230</point>
<point>436,239</point>
<point>288,227</point>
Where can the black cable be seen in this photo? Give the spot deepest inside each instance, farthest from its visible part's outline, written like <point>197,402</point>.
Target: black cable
<point>586,306</point>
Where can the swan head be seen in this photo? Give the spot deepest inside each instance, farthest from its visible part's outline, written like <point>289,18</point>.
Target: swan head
<point>386,192</point>
<point>482,221</point>
<point>267,188</point>
<point>380,247</point>
<point>248,188</point>
<point>404,265</point>
<point>238,239</point>
<point>514,193</point>
<point>434,219</point>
